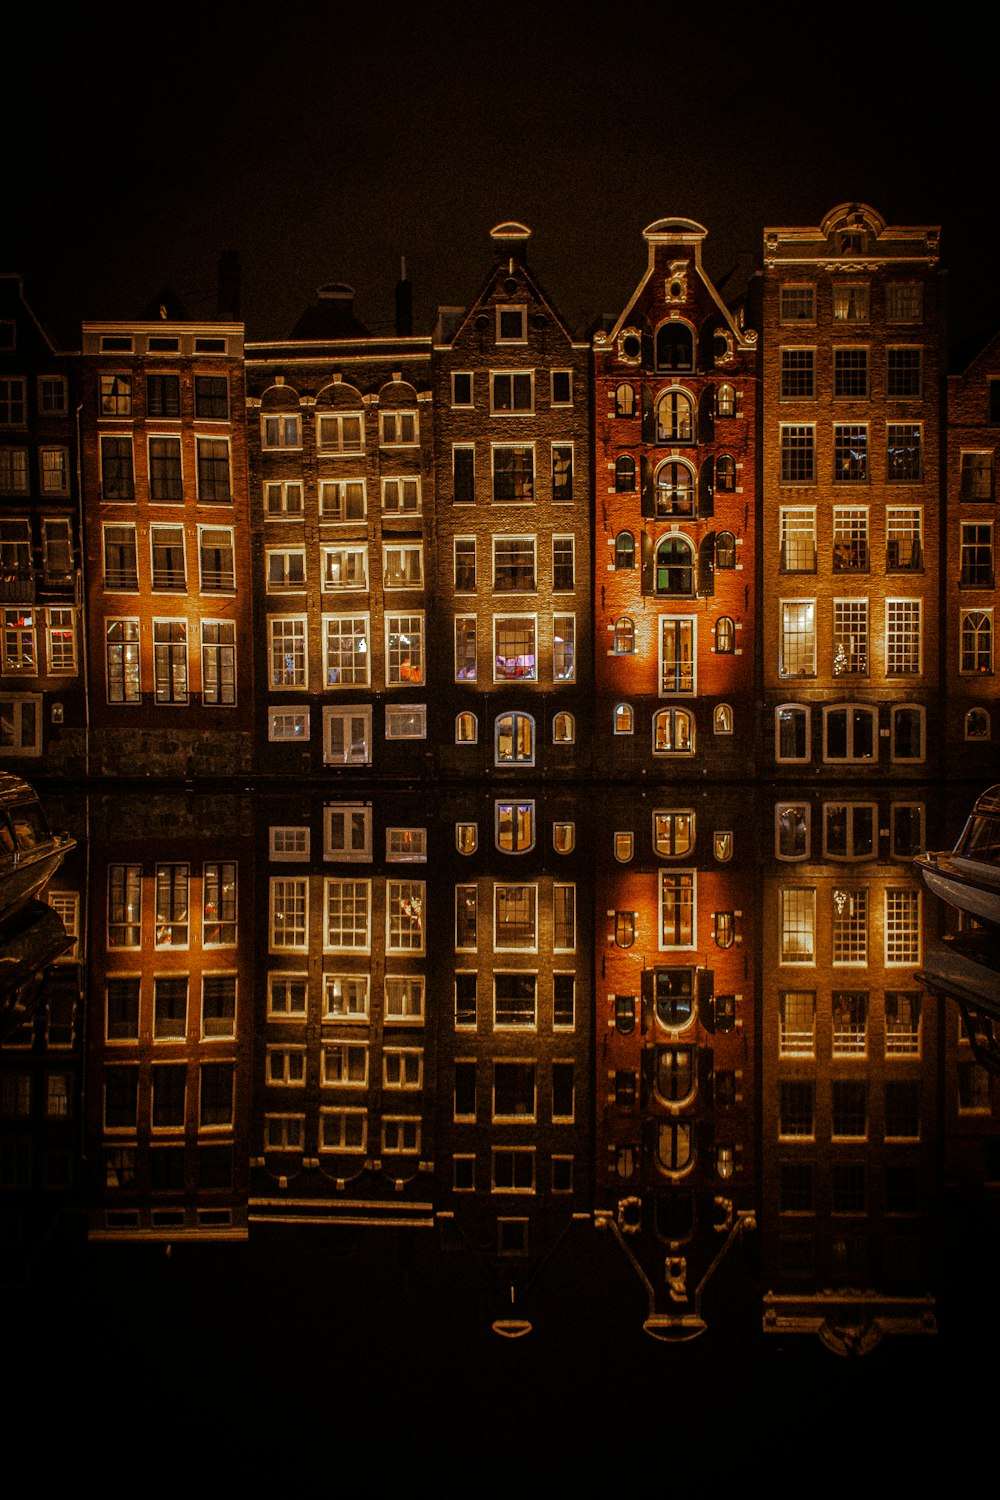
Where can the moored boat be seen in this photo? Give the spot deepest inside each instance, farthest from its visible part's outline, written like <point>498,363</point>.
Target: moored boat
<point>29,852</point>
<point>968,876</point>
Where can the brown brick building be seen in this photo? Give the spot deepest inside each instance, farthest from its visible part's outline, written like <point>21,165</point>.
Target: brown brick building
<point>851,441</point>
<point>512,451</point>
<point>168,548</point>
<point>675,522</point>
<point>972,709</point>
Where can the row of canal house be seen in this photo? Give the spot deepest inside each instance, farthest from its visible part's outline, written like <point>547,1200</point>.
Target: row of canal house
<point>699,542</point>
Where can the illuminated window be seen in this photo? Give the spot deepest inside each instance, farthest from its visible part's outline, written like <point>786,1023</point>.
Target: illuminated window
<point>675,566</point>
<point>673,732</point>
<point>675,490</point>
<point>797,1023</point>
<point>725,550</point>
<point>798,454</point>
<point>406,721</point>
<point>624,551</point>
<point>850,637</point>
<point>515,739</point>
<point>725,483</point>
<point>513,473</point>
<point>404,649</point>
<point>623,718</point>
<point>850,299</point>
<point>624,401</point>
<point>625,925</point>
<point>850,927</point>
<point>466,917</point>
<point>675,417</point>
<point>798,638</point>
<point>215,560</point>
<point>902,1023</point>
<point>563,918</point>
<point>725,929</point>
<point>674,1078</point>
<point>287,654</point>
<point>564,648</point>
<point>339,500</point>
<point>849,733</point>
<point>563,729</point>
<point>904,540</point>
<point>288,724</point>
<point>170,663</point>
<point>850,1022</point>
<point>345,997</point>
<point>675,1146</point>
<point>514,565</point>
<point>14,471</point>
<point>514,648</point>
<point>466,837</point>
<point>677,655</point>
<point>347,831</point>
<point>798,540</point>
<point>289,914</point>
<point>722,844</point>
<point>722,719</point>
<point>172,914</point>
<point>903,637</point>
<point>53,464</point>
<point>850,539</point>
<point>850,453</point>
<point>124,906</point>
<point>515,826</point>
<point>798,372</point>
<point>466,729</point>
<point>403,567</point>
<point>624,845</point>
<point>563,837</point>
<point>404,998</point>
<point>625,474</point>
<point>515,917</point>
<point>673,833</point>
<point>465,648</point>
<point>904,461</point>
<point>219,904</point>
<point>347,735</point>
<point>677,908</point>
<point>288,842</point>
<point>401,496</point>
<point>798,925</point>
<point>725,635</point>
<point>20,647</point>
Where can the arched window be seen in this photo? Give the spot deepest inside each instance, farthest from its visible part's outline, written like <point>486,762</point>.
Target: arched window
<point>466,837</point>
<point>674,490</point>
<point>725,635</point>
<point>674,417</point>
<point>623,718</point>
<point>725,401</point>
<point>675,566</point>
<point>722,719</point>
<point>675,1074</point>
<point>466,729</point>
<point>722,844</point>
<point>563,837</point>
<point>515,826</point>
<point>624,550</point>
<point>725,550</point>
<point>563,729</point>
<point>725,929</point>
<point>725,474</point>
<point>977,641</point>
<point>673,991</point>
<point>624,636</point>
<point>674,1146</point>
<point>624,401</point>
<point>673,732</point>
<point>625,474</point>
<point>725,1161</point>
<point>674,347</point>
<point>624,928</point>
<point>515,740</point>
<point>673,833</point>
<point>977,724</point>
<point>624,844</point>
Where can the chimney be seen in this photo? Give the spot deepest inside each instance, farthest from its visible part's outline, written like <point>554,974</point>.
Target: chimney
<point>404,302</point>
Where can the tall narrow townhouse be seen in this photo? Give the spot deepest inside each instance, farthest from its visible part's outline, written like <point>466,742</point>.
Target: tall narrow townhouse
<point>972,707</point>
<point>674,531</point>
<point>42,691</point>
<point>851,465</point>
<point>513,457</point>
<point>343,493</point>
<point>168,548</point>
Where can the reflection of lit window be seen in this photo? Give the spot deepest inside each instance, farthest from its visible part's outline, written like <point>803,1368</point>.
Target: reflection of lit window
<point>673,833</point>
<point>677,908</point>
<point>563,729</point>
<point>466,729</point>
<point>623,718</point>
<point>625,928</point>
<point>722,845</point>
<point>515,826</point>
<point>798,925</point>
<point>514,648</point>
<point>466,837</point>
<point>725,929</point>
<point>624,844</point>
<point>792,830</point>
<point>722,719</point>
<point>563,837</point>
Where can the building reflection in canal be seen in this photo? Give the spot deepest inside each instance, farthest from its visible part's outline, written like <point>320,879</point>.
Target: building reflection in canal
<point>680,1023</point>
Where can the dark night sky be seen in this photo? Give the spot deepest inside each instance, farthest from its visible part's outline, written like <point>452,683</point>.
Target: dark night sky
<point>324,142</point>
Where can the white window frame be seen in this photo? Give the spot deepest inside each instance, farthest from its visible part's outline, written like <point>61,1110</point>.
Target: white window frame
<point>803,897</point>
<point>401,495</point>
<point>512,307</point>
<point>354,1004</point>
<point>785,636</point>
<point>531,889</point>
<point>359,894</point>
<point>412,987</point>
<point>330,440</point>
<point>406,845</point>
<point>792,760</point>
<point>355,823</point>
<point>396,673</point>
<point>673,623</point>
<point>294,889</point>
<point>414,549</point>
<point>399,938</point>
<point>348,552</point>
<point>291,718</point>
<point>345,714</point>
<point>406,721</point>
<point>902,932</point>
<point>391,424</point>
<point>60,662</point>
<point>904,635</point>
<point>512,376</point>
<point>288,843</point>
<point>300,674</point>
<point>285,587</point>
<point>283,500</point>
<point>338,496</point>
<point>359,629</point>
<point>665,876</point>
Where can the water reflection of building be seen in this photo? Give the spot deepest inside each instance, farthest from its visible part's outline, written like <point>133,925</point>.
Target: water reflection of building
<point>42,705</point>
<point>168,555</point>
<point>850,1063</point>
<point>674,1040</point>
<point>172,968</point>
<point>674,540</point>
<point>850,471</point>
